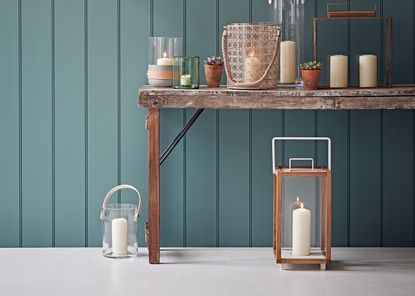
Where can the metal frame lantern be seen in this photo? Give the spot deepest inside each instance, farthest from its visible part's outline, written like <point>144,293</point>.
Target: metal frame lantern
<point>302,209</point>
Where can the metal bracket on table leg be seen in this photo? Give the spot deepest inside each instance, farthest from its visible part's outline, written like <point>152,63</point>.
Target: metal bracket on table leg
<point>182,133</point>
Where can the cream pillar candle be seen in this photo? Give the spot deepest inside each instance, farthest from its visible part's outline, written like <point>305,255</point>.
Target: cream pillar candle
<point>338,71</point>
<point>119,236</point>
<point>252,68</point>
<point>164,61</point>
<point>287,62</point>
<point>301,231</point>
<point>368,73</point>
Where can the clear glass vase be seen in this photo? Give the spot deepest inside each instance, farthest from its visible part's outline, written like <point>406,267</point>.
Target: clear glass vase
<point>289,14</point>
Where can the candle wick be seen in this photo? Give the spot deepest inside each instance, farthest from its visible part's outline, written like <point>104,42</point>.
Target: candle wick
<point>302,205</point>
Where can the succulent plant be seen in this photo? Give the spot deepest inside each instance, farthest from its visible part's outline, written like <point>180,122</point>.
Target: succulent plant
<point>312,65</point>
<point>213,61</point>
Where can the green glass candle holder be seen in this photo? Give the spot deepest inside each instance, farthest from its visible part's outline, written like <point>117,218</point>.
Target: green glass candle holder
<point>186,72</point>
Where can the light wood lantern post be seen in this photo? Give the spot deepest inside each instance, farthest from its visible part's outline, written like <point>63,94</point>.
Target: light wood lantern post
<point>302,207</point>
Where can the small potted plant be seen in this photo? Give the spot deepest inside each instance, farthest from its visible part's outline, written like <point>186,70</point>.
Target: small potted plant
<point>310,72</point>
<point>213,71</point>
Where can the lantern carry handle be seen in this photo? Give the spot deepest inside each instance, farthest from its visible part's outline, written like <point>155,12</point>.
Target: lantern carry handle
<point>275,139</point>
<point>115,189</point>
<point>300,159</point>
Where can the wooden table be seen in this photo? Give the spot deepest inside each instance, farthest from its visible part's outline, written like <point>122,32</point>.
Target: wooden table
<point>397,97</point>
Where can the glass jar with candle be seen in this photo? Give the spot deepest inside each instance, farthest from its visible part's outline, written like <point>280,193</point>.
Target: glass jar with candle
<point>289,14</point>
<point>160,63</point>
<point>119,226</point>
<point>186,72</point>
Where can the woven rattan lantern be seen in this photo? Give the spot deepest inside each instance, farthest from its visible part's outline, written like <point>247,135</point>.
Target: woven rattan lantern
<point>250,54</point>
<point>302,209</point>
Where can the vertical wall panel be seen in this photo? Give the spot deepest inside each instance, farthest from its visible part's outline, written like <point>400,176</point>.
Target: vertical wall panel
<point>334,124</point>
<point>69,123</point>
<point>102,109</point>
<point>201,139</point>
<point>135,28</point>
<point>172,190</point>
<point>37,123</point>
<point>9,124</point>
<point>234,179</point>
<point>265,125</point>
<point>365,172</point>
<point>402,12</point>
<point>398,177</point>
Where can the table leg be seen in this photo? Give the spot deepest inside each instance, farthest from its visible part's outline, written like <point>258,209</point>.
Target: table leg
<point>153,125</point>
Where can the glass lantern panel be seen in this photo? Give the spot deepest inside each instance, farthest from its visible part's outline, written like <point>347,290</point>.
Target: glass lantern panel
<point>308,191</point>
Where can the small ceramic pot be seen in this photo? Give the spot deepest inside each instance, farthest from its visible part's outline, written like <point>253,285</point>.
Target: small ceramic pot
<point>213,74</point>
<point>310,78</point>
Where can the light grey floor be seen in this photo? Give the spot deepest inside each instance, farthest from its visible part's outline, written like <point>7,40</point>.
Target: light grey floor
<point>215,272</point>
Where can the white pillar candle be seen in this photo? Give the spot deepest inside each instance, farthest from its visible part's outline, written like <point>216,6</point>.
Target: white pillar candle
<point>119,236</point>
<point>368,72</point>
<point>287,62</point>
<point>164,61</point>
<point>252,68</point>
<point>338,71</point>
<point>301,231</point>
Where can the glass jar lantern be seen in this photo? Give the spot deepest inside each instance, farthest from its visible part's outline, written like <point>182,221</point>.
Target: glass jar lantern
<point>289,14</point>
<point>186,72</point>
<point>302,209</point>
<point>162,50</point>
<point>119,226</point>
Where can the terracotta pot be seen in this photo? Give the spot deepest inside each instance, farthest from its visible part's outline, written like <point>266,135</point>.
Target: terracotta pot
<point>310,78</point>
<point>213,75</point>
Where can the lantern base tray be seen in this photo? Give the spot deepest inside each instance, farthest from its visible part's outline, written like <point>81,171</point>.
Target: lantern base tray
<point>315,253</point>
<point>317,256</point>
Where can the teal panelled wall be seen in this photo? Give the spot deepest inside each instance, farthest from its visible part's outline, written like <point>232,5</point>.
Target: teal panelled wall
<point>70,129</point>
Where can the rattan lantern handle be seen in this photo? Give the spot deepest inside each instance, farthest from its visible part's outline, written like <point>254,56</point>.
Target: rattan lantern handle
<point>115,189</point>
<point>228,71</point>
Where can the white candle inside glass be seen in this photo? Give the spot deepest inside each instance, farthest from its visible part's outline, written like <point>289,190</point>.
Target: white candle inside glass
<point>164,61</point>
<point>119,236</point>
<point>287,62</point>
<point>368,73</point>
<point>252,68</point>
<point>301,231</point>
<point>338,71</point>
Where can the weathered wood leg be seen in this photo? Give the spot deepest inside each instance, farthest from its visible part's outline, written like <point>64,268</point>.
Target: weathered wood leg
<point>153,125</point>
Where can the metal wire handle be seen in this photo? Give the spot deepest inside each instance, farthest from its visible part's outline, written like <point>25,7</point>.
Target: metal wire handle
<point>115,189</point>
<point>228,71</point>
<point>300,159</point>
<point>275,139</point>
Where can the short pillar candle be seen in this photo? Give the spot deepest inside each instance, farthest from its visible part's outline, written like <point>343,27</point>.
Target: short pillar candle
<point>301,231</point>
<point>368,73</point>
<point>252,68</point>
<point>338,71</point>
<point>119,236</point>
<point>287,62</point>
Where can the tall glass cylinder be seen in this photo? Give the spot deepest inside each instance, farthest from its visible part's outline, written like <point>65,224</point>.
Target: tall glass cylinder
<point>161,52</point>
<point>289,14</point>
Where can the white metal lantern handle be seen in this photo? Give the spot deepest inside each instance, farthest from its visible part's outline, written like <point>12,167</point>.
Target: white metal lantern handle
<point>115,189</point>
<point>275,139</point>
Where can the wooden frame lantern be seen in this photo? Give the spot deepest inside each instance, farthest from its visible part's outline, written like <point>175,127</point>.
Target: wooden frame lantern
<point>302,209</point>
